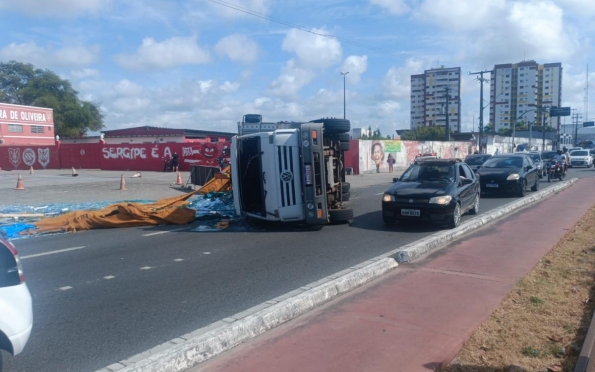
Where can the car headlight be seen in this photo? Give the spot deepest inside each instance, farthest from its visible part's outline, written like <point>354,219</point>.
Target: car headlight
<point>513,177</point>
<point>388,198</point>
<point>442,200</point>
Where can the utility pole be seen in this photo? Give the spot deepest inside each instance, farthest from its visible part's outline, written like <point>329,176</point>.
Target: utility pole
<point>447,127</point>
<point>543,130</point>
<point>481,80</point>
<point>344,74</point>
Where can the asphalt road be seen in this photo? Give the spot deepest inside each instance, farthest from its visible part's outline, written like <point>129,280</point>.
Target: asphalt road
<point>120,292</point>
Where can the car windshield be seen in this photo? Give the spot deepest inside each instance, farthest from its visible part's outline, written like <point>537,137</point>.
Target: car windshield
<point>579,153</point>
<point>476,160</point>
<point>548,155</point>
<point>429,173</point>
<point>511,162</point>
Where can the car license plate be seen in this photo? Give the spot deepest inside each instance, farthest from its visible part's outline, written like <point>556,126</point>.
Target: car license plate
<point>492,185</point>
<point>411,212</point>
<point>308,174</point>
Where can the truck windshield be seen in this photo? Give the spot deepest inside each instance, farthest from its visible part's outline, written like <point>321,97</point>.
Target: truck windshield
<point>250,171</point>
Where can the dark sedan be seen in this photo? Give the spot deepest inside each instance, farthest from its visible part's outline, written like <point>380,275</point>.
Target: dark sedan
<point>510,173</point>
<point>476,160</point>
<point>438,190</point>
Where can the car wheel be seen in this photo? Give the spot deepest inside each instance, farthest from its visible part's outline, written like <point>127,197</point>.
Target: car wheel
<point>340,215</point>
<point>455,219</point>
<point>335,126</point>
<point>475,209</point>
<point>388,220</point>
<point>536,186</point>
<point>522,188</point>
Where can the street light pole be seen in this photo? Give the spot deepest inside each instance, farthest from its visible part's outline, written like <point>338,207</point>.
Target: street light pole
<point>344,74</point>
<point>481,80</point>
<point>447,129</point>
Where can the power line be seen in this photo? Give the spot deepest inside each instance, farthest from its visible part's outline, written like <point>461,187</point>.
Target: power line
<point>285,23</point>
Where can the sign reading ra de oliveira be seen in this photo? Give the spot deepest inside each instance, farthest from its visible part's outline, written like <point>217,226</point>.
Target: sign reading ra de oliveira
<point>17,114</point>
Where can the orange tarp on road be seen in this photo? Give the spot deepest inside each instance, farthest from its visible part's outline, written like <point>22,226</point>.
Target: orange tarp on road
<point>165,211</point>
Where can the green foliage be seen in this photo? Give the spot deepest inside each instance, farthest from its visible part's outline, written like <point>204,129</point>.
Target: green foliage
<point>536,300</point>
<point>425,134</point>
<point>23,84</point>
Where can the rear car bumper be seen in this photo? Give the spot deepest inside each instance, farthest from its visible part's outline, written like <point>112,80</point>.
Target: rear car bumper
<point>427,212</point>
<point>501,186</point>
<point>578,163</point>
<point>17,315</point>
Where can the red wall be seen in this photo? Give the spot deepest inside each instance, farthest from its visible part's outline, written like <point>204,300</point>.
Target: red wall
<point>352,156</point>
<point>111,157</point>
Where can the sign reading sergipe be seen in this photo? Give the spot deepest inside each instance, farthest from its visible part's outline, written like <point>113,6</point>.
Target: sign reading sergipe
<point>559,111</point>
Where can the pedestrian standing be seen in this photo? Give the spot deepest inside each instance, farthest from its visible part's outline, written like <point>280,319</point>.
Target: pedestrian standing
<point>174,162</point>
<point>391,161</point>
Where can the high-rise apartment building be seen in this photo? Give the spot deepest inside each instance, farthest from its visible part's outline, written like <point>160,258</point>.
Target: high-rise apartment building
<point>428,98</point>
<point>520,92</point>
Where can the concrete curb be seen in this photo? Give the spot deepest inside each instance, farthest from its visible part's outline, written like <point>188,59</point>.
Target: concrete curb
<point>191,349</point>
<point>414,250</point>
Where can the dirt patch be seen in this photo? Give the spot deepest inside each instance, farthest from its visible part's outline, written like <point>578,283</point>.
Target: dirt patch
<point>541,324</point>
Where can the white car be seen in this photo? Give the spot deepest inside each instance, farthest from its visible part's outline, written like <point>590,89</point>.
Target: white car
<point>16,311</point>
<point>581,158</point>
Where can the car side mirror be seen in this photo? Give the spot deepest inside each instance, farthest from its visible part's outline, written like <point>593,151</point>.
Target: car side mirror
<point>466,181</point>
<point>529,167</point>
<point>395,180</point>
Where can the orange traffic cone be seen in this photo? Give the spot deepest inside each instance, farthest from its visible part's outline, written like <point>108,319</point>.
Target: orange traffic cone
<point>20,185</point>
<point>74,174</point>
<point>122,183</point>
<point>179,180</point>
<point>31,170</point>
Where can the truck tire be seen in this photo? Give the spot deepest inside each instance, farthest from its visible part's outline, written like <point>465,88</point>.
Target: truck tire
<point>344,137</point>
<point>334,126</point>
<point>345,197</point>
<point>340,215</point>
<point>345,146</point>
<point>346,187</point>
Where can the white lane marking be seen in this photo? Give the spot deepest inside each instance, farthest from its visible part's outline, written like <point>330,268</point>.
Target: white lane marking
<point>65,288</point>
<point>52,252</point>
<point>179,259</point>
<point>380,193</point>
<point>108,277</point>
<point>206,252</point>
<point>167,231</point>
<point>146,268</point>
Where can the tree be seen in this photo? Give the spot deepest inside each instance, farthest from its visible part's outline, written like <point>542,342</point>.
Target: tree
<point>425,134</point>
<point>23,84</point>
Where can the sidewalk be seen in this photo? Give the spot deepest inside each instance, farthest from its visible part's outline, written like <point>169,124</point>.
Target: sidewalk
<point>419,316</point>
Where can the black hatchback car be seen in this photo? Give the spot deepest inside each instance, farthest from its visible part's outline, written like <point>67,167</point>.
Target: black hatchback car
<point>439,190</point>
<point>475,161</point>
<point>510,173</point>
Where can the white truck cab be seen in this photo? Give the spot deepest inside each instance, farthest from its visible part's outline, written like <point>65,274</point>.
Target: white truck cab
<point>291,172</point>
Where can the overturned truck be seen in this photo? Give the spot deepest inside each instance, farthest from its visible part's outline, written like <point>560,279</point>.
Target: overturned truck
<point>291,171</point>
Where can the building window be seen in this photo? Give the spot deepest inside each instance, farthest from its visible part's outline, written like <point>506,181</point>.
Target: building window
<point>15,128</point>
<point>214,139</point>
<point>36,129</point>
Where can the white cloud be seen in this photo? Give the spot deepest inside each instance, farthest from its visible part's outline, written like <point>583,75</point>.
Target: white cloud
<point>48,57</point>
<point>356,66</point>
<point>581,8</point>
<point>313,51</point>
<point>291,80</point>
<point>84,73</point>
<point>462,14</point>
<point>238,48</point>
<point>127,88</point>
<point>394,6</point>
<point>229,87</point>
<point>57,8</point>
<point>234,10</point>
<point>397,81</point>
<point>166,54</point>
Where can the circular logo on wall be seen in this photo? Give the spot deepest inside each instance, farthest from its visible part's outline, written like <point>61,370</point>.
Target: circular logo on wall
<point>82,151</point>
<point>29,156</point>
<point>286,176</point>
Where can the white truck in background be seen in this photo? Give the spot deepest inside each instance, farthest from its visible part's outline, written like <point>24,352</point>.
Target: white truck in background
<point>291,171</point>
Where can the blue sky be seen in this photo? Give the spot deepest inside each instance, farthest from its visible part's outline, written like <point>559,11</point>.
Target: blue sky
<point>203,64</point>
